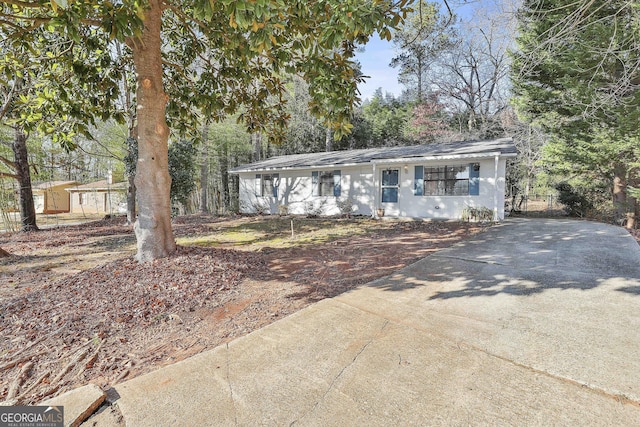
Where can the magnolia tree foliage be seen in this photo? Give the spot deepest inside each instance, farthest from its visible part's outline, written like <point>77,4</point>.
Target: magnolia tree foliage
<point>212,58</point>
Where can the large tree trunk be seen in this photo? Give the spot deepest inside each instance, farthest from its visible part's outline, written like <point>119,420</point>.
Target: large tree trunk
<point>27,207</point>
<point>153,183</point>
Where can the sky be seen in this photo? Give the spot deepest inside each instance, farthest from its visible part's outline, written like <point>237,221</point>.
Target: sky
<point>375,63</point>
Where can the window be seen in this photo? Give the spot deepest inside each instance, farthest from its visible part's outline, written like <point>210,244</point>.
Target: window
<point>267,185</point>
<point>449,180</point>
<point>390,186</point>
<point>326,183</point>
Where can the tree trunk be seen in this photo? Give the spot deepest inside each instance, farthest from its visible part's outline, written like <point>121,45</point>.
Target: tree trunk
<point>223,158</point>
<point>153,183</point>
<point>204,169</point>
<point>234,184</point>
<point>420,95</point>
<point>633,212</point>
<point>131,161</point>
<point>619,191</point>
<point>27,207</point>
<point>131,199</point>
<point>257,146</point>
<point>328,140</point>
<point>132,145</point>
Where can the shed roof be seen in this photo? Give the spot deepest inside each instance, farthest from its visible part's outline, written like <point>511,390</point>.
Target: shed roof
<point>99,186</point>
<point>51,184</point>
<point>476,148</point>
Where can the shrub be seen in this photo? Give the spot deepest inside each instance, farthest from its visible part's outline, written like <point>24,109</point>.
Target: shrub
<point>311,210</point>
<point>575,202</point>
<point>346,207</point>
<point>481,214</point>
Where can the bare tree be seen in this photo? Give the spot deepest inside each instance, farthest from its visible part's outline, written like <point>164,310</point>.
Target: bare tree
<point>523,170</point>
<point>471,77</point>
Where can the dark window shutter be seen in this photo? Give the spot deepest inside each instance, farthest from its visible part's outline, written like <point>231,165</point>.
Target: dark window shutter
<point>314,184</point>
<point>337,188</point>
<point>418,181</point>
<point>258,185</point>
<point>474,179</point>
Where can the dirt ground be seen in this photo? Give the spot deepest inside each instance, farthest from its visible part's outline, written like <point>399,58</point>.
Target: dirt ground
<point>75,308</point>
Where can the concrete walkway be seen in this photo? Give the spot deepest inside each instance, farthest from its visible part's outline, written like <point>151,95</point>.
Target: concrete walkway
<point>535,322</point>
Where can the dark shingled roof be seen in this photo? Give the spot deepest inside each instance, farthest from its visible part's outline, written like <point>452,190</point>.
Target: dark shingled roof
<point>503,146</point>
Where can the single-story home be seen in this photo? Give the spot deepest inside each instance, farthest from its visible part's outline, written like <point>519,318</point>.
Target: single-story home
<point>50,197</point>
<point>438,181</point>
<point>98,197</point>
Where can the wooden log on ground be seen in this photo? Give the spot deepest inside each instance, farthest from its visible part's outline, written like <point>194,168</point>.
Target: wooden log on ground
<point>33,386</point>
<point>19,380</point>
<point>78,357</point>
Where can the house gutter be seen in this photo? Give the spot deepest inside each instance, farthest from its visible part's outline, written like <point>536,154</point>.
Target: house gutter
<point>296,168</point>
<point>446,157</point>
<point>381,161</point>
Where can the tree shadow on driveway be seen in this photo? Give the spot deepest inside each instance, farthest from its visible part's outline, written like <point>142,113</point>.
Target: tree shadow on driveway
<point>527,257</point>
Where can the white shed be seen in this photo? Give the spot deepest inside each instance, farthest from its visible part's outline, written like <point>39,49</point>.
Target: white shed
<point>438,181</point>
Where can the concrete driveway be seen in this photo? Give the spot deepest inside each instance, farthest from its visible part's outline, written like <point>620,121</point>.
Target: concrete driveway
<point>535,322</point>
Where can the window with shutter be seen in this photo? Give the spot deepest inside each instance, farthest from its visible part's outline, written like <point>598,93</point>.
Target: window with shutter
<point>451,180</point>
<point>326,183</point>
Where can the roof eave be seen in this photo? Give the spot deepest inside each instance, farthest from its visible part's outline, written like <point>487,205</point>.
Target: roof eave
<point>84,190</point>
<point>292,168</point>
<point>488,155</point>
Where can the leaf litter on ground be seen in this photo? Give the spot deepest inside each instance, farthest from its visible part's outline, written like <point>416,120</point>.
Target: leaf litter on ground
<point>62,328</point>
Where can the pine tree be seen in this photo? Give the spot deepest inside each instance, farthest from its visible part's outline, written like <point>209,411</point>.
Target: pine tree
<point>576,74</point>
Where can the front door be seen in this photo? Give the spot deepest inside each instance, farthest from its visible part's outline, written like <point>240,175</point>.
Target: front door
<point>390,188</point>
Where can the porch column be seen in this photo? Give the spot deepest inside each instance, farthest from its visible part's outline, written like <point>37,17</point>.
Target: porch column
<point>495,189</point>
<point>374,208</point>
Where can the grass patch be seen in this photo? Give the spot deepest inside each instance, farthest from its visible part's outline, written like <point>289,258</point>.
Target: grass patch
<point>276,232</point>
